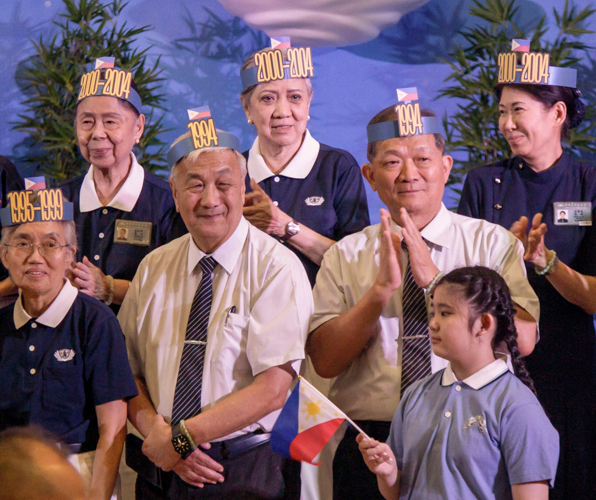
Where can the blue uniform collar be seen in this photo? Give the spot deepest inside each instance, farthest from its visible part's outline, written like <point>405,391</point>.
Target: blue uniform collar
<point>479,379</point>
<point>225,255</point>
<point>298,168</point>
<point>54,314</point>
<point>547,176</point>
<point>126,198</point>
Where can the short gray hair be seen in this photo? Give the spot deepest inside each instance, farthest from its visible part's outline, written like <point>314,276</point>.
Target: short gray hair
<point>70,235</point>
<point>193,155</point>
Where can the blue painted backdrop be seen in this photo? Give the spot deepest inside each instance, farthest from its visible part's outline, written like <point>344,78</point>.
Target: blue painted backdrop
<point>351,84</point>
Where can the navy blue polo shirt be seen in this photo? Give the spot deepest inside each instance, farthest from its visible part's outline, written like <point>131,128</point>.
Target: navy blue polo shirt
<point>96,228</point>
<point>330,200</point>
<point>54,377</point>
<point>502,193</point>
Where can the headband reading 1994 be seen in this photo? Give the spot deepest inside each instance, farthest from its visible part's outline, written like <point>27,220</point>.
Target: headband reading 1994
<point>271,65</point>
<point>116,83</point>
<point>203,133</point>
<point>51,206</point>
<point>409,119</point>
<point>534,68</point>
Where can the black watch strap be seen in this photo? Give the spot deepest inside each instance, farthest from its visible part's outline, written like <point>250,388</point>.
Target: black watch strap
<point>180,442</point>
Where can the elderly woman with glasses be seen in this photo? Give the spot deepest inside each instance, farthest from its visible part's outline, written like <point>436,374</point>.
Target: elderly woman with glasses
<point>63,363</point>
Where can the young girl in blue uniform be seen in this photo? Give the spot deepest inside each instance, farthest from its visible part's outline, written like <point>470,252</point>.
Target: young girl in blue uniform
<point>473,430</point>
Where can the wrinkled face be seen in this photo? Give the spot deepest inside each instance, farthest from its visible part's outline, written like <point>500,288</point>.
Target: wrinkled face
<point>526,124</point>
<point>450,333</point>
<point>409,172</point>
<point>107,130</point>
<point>37,273</point>
<point>209,194</point>
<point>279,111</point>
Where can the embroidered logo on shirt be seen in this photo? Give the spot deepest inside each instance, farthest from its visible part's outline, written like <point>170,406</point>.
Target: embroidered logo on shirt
<point>314,201</point>
<point>64,354</point>
<point>477,420</point>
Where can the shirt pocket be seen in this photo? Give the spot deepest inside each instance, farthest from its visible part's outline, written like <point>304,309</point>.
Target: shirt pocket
<point>63,392</point>
<point>229,356</point>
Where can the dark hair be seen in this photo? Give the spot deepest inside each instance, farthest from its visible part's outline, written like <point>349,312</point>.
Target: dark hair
<point>486,292</point>
<point>549,95</point>
<point>389,115</point>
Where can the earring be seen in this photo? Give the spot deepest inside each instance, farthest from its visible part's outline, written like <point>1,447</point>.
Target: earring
<point>137,140</point>
<point>249,121</point>
<point>308,117</point>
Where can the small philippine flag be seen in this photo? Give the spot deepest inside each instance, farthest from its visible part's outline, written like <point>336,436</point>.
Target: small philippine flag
<point>306,423</point>
<point>281,42</point>
<point>199,113</point>
<point>104,62</point>
<point>520,45</point>
<point>35,183</point>
<point>408,94</point>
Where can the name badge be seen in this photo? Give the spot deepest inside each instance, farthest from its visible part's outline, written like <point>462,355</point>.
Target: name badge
<point>572,213</point>
<point>133,232</point>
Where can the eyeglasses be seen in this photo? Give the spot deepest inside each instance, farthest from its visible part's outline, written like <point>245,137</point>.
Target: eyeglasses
<point>46,249</point>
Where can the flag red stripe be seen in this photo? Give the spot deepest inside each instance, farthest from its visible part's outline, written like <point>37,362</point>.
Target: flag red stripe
<point>307,444</point>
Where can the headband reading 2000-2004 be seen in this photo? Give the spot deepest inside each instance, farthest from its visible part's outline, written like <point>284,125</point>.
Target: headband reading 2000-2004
<point>272,65</point>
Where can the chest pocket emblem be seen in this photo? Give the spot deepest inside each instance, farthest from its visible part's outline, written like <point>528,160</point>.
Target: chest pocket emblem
<point>314,201</point>
<point>64,354</point>
<point>477,420</point>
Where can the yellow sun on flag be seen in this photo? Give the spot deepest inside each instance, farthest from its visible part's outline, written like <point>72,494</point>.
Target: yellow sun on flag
<point>312,409</point>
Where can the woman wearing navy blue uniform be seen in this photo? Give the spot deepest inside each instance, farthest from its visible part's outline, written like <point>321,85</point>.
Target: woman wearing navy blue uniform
<point>534,185</point>
<point>63,361</point>
<point>308,194</point>
<point>122,212</point>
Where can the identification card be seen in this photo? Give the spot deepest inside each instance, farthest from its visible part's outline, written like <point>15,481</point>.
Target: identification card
<point>572,213</point>
<point>133,232</point>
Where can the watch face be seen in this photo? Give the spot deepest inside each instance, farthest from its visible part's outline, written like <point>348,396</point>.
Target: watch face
<point>292,228</point>
<point>181,444</point>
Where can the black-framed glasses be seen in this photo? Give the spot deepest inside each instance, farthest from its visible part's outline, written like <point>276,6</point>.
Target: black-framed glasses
<point>46,249</point>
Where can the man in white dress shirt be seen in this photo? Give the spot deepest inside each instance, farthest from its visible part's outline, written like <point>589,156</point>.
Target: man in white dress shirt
<point>356,331</point>
<point>260,308</point>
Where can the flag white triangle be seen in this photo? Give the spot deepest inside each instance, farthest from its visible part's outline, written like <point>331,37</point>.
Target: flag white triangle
<point>514,45</point>
<point>401,95</point>
<point>28,183</point>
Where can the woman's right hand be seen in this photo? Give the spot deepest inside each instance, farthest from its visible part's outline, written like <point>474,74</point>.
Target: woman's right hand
<point>377,456</point>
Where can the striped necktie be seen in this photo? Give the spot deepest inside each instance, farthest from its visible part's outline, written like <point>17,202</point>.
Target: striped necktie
<point>416,348</point>
<point>187,398</point>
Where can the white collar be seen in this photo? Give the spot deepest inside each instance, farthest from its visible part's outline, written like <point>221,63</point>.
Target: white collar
<point>125,199</point>
<point>479,379</point>
<point>436,231</point>
<point>54,314</point>
<point>298,168</point>
<point>226,255</point>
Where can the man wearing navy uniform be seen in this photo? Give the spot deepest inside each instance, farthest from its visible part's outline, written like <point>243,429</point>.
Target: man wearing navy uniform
<point>237,304</point>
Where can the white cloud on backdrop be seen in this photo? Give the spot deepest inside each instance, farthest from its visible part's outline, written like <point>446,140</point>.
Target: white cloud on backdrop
<point>322,23</point>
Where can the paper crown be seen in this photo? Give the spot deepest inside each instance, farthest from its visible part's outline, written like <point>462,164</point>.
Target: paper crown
<point>271,65</point>
<point>105,79</point>
<point>409,121</point>
<point>35,205</point>
<point>534,69</point>
<point>203,134</point>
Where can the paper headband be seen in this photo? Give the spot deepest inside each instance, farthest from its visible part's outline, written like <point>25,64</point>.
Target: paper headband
<point>203,134</point>
<point>107,80</point>
<point>534,68</point>
<point>271,65</point>
<point>39,205</point>
<point>409,122</point>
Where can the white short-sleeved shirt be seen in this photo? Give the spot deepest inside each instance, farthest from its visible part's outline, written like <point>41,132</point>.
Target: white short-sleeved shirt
<point>472,439</point>
<point>369,388</point>
<point>261,307</point>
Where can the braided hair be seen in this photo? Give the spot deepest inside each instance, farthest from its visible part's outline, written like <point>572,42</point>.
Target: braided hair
<point>486,292</point>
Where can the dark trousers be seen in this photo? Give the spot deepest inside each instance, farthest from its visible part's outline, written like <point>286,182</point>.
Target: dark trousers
<point>352,479</point>
<point>258,474</point>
